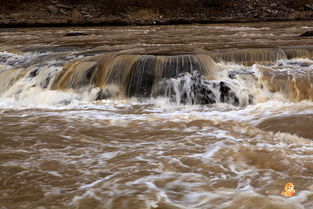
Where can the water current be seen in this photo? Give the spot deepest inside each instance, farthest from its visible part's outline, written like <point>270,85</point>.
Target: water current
<point>170,117</point>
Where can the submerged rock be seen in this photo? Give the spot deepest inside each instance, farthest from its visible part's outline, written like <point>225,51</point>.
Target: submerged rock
<point>307,33</point>
<point>308,7</point>
<point>227,95</point>
<point>76,34</point>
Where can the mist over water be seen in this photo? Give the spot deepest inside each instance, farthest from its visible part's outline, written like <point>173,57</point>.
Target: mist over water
<point>168,117</point>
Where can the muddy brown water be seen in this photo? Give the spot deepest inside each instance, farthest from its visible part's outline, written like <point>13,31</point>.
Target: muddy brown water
<point>63,147</point>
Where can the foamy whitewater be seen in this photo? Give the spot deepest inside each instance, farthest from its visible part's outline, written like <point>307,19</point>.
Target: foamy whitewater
<point>113,124</point>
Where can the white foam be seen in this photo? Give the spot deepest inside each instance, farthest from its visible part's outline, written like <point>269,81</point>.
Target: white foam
<point>92,184</point>
<point>54,173</point>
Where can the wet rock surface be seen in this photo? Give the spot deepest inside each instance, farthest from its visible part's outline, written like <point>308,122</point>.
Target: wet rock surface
<point>76,34</point>
<point>190,88</point>
<point>307,33</point>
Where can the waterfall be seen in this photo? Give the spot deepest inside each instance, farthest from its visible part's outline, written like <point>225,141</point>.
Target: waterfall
<point>235,76</point>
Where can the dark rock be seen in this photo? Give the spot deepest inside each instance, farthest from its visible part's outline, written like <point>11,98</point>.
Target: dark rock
<point>232,75</point>
<point>34,73</point>
<point>190,88</point>
<point>308,7</point>
<point>106,94</point>
<point>76,34</point>
<point>251,97</point>
<point>103,94</point>
<point>227,95</point>
<point>194,91</point>
<point>307,33</point>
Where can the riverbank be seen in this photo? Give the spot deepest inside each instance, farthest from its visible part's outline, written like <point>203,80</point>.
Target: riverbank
<point>36,13</point>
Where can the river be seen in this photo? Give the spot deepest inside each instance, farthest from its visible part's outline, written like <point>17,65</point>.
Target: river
<point>170,117</point>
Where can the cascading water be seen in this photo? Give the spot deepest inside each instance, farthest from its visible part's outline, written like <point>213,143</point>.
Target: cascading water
<point>177,117</point>
<point>144,76</point>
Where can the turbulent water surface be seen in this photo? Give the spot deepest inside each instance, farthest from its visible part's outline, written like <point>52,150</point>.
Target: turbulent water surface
<point>169,117</point>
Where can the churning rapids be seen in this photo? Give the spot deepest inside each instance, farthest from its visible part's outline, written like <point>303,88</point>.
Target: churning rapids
<point>189,116</point>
